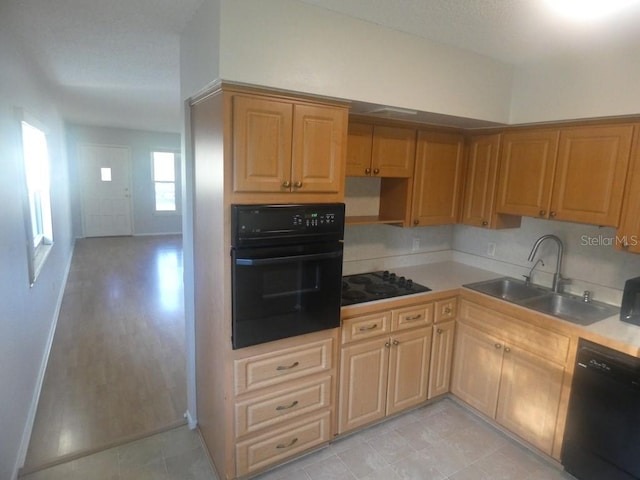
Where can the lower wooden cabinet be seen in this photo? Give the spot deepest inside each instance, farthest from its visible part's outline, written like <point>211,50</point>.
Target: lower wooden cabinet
<point>383,376</point>
<point>511,372</point>
<point>441,358</point>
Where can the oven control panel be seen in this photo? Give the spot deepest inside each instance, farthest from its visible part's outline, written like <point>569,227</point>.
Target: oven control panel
<point>314,219</point>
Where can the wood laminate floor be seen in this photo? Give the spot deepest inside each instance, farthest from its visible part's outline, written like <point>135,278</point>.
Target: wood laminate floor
<point>117,365</point>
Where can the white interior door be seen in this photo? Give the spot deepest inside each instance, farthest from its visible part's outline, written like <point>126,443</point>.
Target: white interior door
<point>105,173</point>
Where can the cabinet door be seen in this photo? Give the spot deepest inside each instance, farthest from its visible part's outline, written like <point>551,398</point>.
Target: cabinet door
<point>408,369</point>
<point>481,180</point>
<point>363,383</point>
<point>476,369</point>
<point>590,174</point>
<point>527,163</point>
<point>627,236</point>
<point>530,397</point>
<point>394,151</point>
<point>359,146</point>
<point>441,359</point>
<point>438,178</point>
<point>262,132</point>
<point>319,143</point>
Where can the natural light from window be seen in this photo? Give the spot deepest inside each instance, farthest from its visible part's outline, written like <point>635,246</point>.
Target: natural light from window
<point>164,178</point>
<point>36,168</point>
<point>588,10</point>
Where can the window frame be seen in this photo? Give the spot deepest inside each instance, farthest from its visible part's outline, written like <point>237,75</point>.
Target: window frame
<point>39,230</point>
<point>175,182</point>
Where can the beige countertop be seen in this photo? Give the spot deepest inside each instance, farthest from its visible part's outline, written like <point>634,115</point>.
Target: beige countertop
<point>446,276</point>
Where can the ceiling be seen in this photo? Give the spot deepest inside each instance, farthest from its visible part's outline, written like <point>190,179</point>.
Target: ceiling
<point>116,62</point>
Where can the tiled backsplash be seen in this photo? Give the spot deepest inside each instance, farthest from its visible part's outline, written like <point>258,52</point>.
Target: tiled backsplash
<point>590,261</point>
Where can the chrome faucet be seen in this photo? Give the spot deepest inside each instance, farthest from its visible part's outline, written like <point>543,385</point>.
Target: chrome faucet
<point>556,276</point>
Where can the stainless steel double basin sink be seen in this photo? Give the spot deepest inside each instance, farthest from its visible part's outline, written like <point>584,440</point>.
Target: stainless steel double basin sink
<point>561,305</point>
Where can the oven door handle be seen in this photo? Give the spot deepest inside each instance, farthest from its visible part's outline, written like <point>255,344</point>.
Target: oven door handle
<point>256,262</point>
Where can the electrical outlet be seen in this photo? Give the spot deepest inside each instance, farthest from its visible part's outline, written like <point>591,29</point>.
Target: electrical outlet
<point>415,246</point>
<point>491,249</point>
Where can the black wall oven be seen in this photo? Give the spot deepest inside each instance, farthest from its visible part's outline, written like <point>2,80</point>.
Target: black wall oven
<point>286,270</point>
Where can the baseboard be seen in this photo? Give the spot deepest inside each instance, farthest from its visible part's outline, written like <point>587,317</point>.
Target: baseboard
<point>31,417</point>
<point>156,234</point>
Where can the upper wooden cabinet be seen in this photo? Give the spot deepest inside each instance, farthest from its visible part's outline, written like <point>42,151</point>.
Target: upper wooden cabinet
<point>282,146</point>
<point>380,151</point>
<point>437,183</point>
<point>481,182</point>
<point>526,172</point>
<point>628,235</point>
<point>574,174</point>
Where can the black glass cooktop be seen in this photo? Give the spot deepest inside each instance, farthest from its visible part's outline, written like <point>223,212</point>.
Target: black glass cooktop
<point>365,287</point>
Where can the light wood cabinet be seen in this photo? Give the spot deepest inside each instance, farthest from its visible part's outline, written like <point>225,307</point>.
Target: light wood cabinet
<point>281,146</point>
<point>481,181</point>
<point>380,151</point>
<point>511,372</point>
<point>573,174</point>
<point>441,358</point>
<point>628,235</point>
<point>437,184</point>
<point>387,372</point>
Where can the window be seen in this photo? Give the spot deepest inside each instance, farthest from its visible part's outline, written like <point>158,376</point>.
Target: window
<point>38,202</point>
<point>164,178</point>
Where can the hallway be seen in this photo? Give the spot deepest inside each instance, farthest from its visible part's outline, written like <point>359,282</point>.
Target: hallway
<point>116,371</point>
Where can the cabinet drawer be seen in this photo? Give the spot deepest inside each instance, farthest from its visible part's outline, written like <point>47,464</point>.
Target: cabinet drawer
<point>367,326</point>
<point>278,445</point>
<point>282,365</point>
<point>416,316</point>
<point>446,309</point>
<point>272,409</point>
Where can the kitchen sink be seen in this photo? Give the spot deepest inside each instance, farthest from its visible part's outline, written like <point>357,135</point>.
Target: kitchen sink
<point>571,308</point>
<point>508,288</point>
<point>541,299</point>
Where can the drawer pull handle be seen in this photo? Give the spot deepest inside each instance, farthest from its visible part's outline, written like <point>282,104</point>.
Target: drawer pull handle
<point>289,367</point>
<point>447,310</point>
<point>439,331</point>
<point>370,327</point>
<point>415,317</point>
<point>287,407</point>
<point>290,444</point>
<point>507,349</point>
<point>396,342</point>
<point>497,345</point>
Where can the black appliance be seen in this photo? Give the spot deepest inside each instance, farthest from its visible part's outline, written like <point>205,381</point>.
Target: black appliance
<point>286,270</point>
<point>602,433</point>
<point>365,287</point>
<point>630,309</point>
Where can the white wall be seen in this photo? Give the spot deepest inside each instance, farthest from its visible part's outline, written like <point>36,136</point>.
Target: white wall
<point>199,65</point>
<point>603,83</point>
<point>290,45</point>
<point>141,143</point>
<point>27,314</point>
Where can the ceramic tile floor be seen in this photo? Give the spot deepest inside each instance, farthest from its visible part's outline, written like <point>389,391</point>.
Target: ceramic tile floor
<point>439,441</point>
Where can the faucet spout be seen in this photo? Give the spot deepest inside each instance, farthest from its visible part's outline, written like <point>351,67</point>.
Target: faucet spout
<point>556,276</point>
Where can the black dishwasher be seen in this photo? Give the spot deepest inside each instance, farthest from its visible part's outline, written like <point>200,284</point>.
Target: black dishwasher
<point>602,434</point>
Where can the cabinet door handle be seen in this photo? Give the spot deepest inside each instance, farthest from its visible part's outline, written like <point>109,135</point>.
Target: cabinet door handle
<point>376,171</point>
<point>396,342</point>
<point>367,171</point>
<point>298,184</point>
<point>497,345</point>
<point>288,367</point>
<point>414,317</point>
<point>552,213</point>
<point>286,184</point>
<point>485,223</point>
<point>387,344</point>
<point>416,222</point>
<point>370,327</point>
<point>287,407</point>
<point>439,331</point>
<point>447,310</point>
<point>507,349</point>
<point>542,213</point>
<point>290,444</point>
